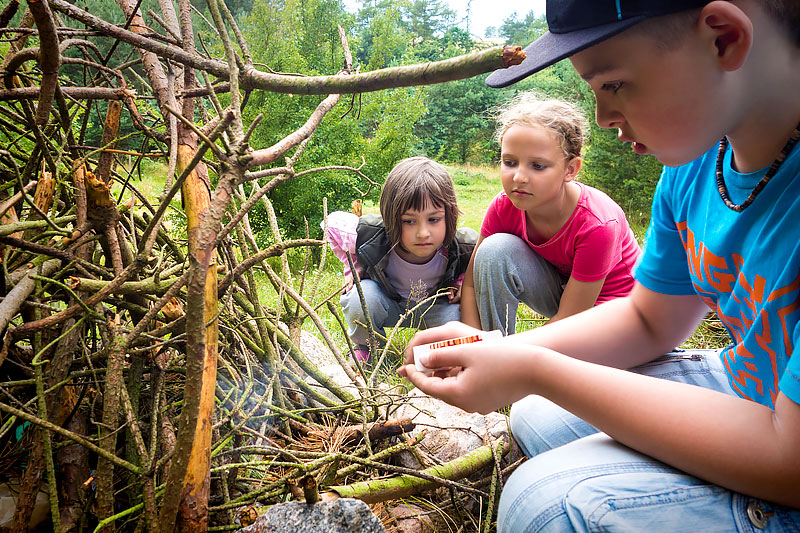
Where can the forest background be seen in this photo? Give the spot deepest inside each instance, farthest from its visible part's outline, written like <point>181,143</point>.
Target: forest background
<point>449,122</point>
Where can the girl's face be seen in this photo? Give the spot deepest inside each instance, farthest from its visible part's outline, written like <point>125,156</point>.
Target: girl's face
<point>533,168</point>
<point>422,233</point>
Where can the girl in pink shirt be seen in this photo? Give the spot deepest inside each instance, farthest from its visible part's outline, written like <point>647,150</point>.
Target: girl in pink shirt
<point>555,244</point>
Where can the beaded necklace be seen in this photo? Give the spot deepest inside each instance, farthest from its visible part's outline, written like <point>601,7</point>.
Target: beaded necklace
<point>723,190</point>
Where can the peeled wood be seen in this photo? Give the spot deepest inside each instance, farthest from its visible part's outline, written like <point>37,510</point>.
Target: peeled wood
<point>380,490</point>
<point>45,190</point>
<point>377,431</point>
<point>110,128</point>
<point>197,200</point>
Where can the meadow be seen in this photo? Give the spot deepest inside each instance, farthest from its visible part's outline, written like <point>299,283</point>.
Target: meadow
<point>475,187</point>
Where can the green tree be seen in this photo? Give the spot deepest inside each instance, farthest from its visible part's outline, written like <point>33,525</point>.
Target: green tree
<point>429,18</point>
<point>385,40</point>
<point>378,126</point>
<point>522,31</point>
<point>457,127</point>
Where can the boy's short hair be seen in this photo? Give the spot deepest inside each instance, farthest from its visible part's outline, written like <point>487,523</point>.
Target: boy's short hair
<point>414,183</point>
<point>575,25</point>
<point>669,30</point>
<point>566,120</point>
<point>786,13</point>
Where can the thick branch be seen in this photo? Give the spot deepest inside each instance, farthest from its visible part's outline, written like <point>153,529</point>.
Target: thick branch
<point>374,491</point>
<point>456,68</point>
<point>49,57</point>
<point>268,155</point>
<point>78,93</point>
<point>11,304</point>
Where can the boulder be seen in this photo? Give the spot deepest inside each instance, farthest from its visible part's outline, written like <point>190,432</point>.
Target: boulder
<point>318,353</point>
<point>451,432</point>
<point>345,515</point>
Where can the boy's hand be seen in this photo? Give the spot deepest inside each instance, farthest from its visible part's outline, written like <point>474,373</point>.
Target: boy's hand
<point>481,377</point>
<point>451,330</point>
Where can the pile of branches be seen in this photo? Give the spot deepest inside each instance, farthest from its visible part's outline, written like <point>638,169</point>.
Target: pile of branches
<point>144,382</point>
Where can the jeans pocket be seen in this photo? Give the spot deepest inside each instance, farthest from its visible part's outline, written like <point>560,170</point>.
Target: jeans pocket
<point>674,364</point>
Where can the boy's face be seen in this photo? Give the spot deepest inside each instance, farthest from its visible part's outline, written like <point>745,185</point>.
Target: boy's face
<point>422,233</point>
<point>665,102</point>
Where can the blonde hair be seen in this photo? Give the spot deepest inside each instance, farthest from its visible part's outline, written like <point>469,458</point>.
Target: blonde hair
<point>564,119</point>
<point>414,183</point>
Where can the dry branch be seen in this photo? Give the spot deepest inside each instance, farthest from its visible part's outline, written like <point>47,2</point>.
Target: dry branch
<point>112,318</point>
<point>49,57</point>
<point>461,67</point>
<point>374,491</point>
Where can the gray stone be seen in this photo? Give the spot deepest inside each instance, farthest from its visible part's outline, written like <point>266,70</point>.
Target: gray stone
<point>345,515</point>
<point>411,518</point>
<point>451,432</point>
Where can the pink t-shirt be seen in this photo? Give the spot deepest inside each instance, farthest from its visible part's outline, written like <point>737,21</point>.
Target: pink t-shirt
<point>595,243</point>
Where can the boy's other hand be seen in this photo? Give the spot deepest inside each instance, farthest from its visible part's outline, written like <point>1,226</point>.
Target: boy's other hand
<point>451,330</point>
<point>480,377</point>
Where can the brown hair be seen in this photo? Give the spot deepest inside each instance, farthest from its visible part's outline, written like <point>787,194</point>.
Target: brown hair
<point>787,14</point>
<point>564,119</point>
<point>414,183</point>
<point>669,30</point>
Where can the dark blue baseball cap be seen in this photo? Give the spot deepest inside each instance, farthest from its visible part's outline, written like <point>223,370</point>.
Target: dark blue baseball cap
<point>578,24</point>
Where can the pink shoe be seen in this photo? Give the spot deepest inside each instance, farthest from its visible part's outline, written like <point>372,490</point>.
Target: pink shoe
<point>362,354</point>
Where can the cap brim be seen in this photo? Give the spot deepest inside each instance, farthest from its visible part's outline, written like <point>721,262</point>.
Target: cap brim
<point>551,48</point>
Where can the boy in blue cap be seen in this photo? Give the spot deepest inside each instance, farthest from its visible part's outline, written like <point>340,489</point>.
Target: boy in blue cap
<point>690,441</point>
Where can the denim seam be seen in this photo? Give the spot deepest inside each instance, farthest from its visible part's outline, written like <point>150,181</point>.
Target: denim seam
<point>674,496</point>
<point>553,510</point>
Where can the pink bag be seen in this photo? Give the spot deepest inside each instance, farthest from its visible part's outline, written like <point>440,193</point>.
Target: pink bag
<point>341,237</point>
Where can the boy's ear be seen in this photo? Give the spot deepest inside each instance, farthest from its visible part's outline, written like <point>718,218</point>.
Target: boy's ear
<point>731,30</point>
<point>573,166</point>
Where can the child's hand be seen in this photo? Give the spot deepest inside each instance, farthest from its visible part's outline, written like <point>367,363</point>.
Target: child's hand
<point>481,377</point>
<point>454,294</point>
<point>451,330</point>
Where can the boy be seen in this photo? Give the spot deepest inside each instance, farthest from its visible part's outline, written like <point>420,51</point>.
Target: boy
<point>673,77</point>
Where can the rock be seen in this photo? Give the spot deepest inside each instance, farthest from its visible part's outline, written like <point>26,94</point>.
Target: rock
<point>320,356</point>
<point>451,432</point>
<point>345,515</point>
<point>410,518</point>
<point>8,504</point>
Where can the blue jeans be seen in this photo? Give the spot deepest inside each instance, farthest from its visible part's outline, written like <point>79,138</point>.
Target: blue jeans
<point>507,271</point>
<point>579,479</point>
<point>385,312</point>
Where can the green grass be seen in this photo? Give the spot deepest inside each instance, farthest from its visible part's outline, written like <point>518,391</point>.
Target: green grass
<point>475,187</point>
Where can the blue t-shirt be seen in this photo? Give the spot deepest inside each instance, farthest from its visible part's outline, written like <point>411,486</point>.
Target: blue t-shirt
<point>745,266</point>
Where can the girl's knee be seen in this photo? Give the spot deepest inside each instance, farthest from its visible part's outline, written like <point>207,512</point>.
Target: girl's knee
<point>497,247</point>
<point>351,301</point>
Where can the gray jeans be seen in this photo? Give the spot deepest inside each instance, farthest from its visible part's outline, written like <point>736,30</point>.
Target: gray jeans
<point>507,271</point>
<point>385,312</point>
